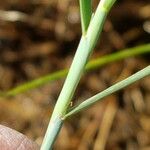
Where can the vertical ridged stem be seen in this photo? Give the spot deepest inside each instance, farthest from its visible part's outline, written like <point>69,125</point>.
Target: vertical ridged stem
<point>86,45</point>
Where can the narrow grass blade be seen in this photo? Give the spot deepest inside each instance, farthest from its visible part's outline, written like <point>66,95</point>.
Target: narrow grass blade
<point>85,13</point>
<point>118,86</point>
<point>93,64</point>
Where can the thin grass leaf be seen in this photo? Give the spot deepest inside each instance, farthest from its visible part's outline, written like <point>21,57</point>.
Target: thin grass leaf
<point>85,13</point>
<point>93,64</point>
<point>114,88</point>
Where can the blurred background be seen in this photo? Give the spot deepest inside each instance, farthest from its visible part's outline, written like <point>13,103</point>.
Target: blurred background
<point>38,37</point>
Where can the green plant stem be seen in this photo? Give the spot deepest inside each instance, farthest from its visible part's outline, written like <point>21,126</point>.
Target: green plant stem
<point>107,3</point>
<point>93,64</point>
<point>116,87</point>
<point>85,13</point>
<point>86,45</point>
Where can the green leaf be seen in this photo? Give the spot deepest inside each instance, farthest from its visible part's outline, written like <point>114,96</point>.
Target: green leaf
<point>85,13</point>
<point>93,64</point>
<point>114,88</point>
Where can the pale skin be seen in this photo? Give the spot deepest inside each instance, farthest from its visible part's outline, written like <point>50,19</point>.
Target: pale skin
<point>13,140</point>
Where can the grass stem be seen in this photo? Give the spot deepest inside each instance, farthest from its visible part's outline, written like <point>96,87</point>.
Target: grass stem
<point>84,50</point>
